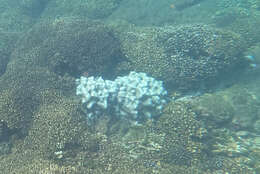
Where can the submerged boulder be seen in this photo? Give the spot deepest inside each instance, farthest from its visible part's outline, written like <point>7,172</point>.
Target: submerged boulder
<point>69,46</point>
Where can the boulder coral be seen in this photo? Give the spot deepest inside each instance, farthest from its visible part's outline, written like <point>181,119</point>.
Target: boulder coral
<point>184,56</point>
<point>71,46</point>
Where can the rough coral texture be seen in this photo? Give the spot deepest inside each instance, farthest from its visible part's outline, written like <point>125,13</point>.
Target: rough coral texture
<point>42,126</point>
<point>70,46</point>
<point>185,56</point>
<point>135,96</point>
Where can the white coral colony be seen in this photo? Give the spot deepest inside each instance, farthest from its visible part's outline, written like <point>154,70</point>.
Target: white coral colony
<point>135,96</point>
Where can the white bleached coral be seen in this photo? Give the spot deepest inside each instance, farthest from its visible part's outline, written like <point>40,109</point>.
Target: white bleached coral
<point>135,96</point>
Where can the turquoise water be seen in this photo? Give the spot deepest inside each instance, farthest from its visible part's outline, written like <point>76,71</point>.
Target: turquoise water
<point>140,86</point>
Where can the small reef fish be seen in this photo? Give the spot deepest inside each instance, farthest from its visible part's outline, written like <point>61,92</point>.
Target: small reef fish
<point>253,65</point>
<point>250,57</point>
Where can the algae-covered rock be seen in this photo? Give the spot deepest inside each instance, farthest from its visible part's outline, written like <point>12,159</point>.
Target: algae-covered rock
<point>239,17</point>
<point>183,4</point>
<point>215,110</point>
<point>13,17</point>
<point>94,9</point>
<point>8,40</point>
<point>234,108</point>
<point>71,46</point>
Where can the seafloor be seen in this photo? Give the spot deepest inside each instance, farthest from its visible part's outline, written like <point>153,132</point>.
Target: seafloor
<point>206,52</point>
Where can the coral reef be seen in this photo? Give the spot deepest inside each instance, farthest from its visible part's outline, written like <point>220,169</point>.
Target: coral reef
<point>185,56</point>
<point>20,95</point>
<point>229,115</point>
<point>43,124</point>
<point>62,127</point>
<point>240,17</point>
<point>13,17</point>
<point>69,46</point>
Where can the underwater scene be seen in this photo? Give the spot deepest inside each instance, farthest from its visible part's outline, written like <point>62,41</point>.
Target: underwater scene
<point>129,86</point>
